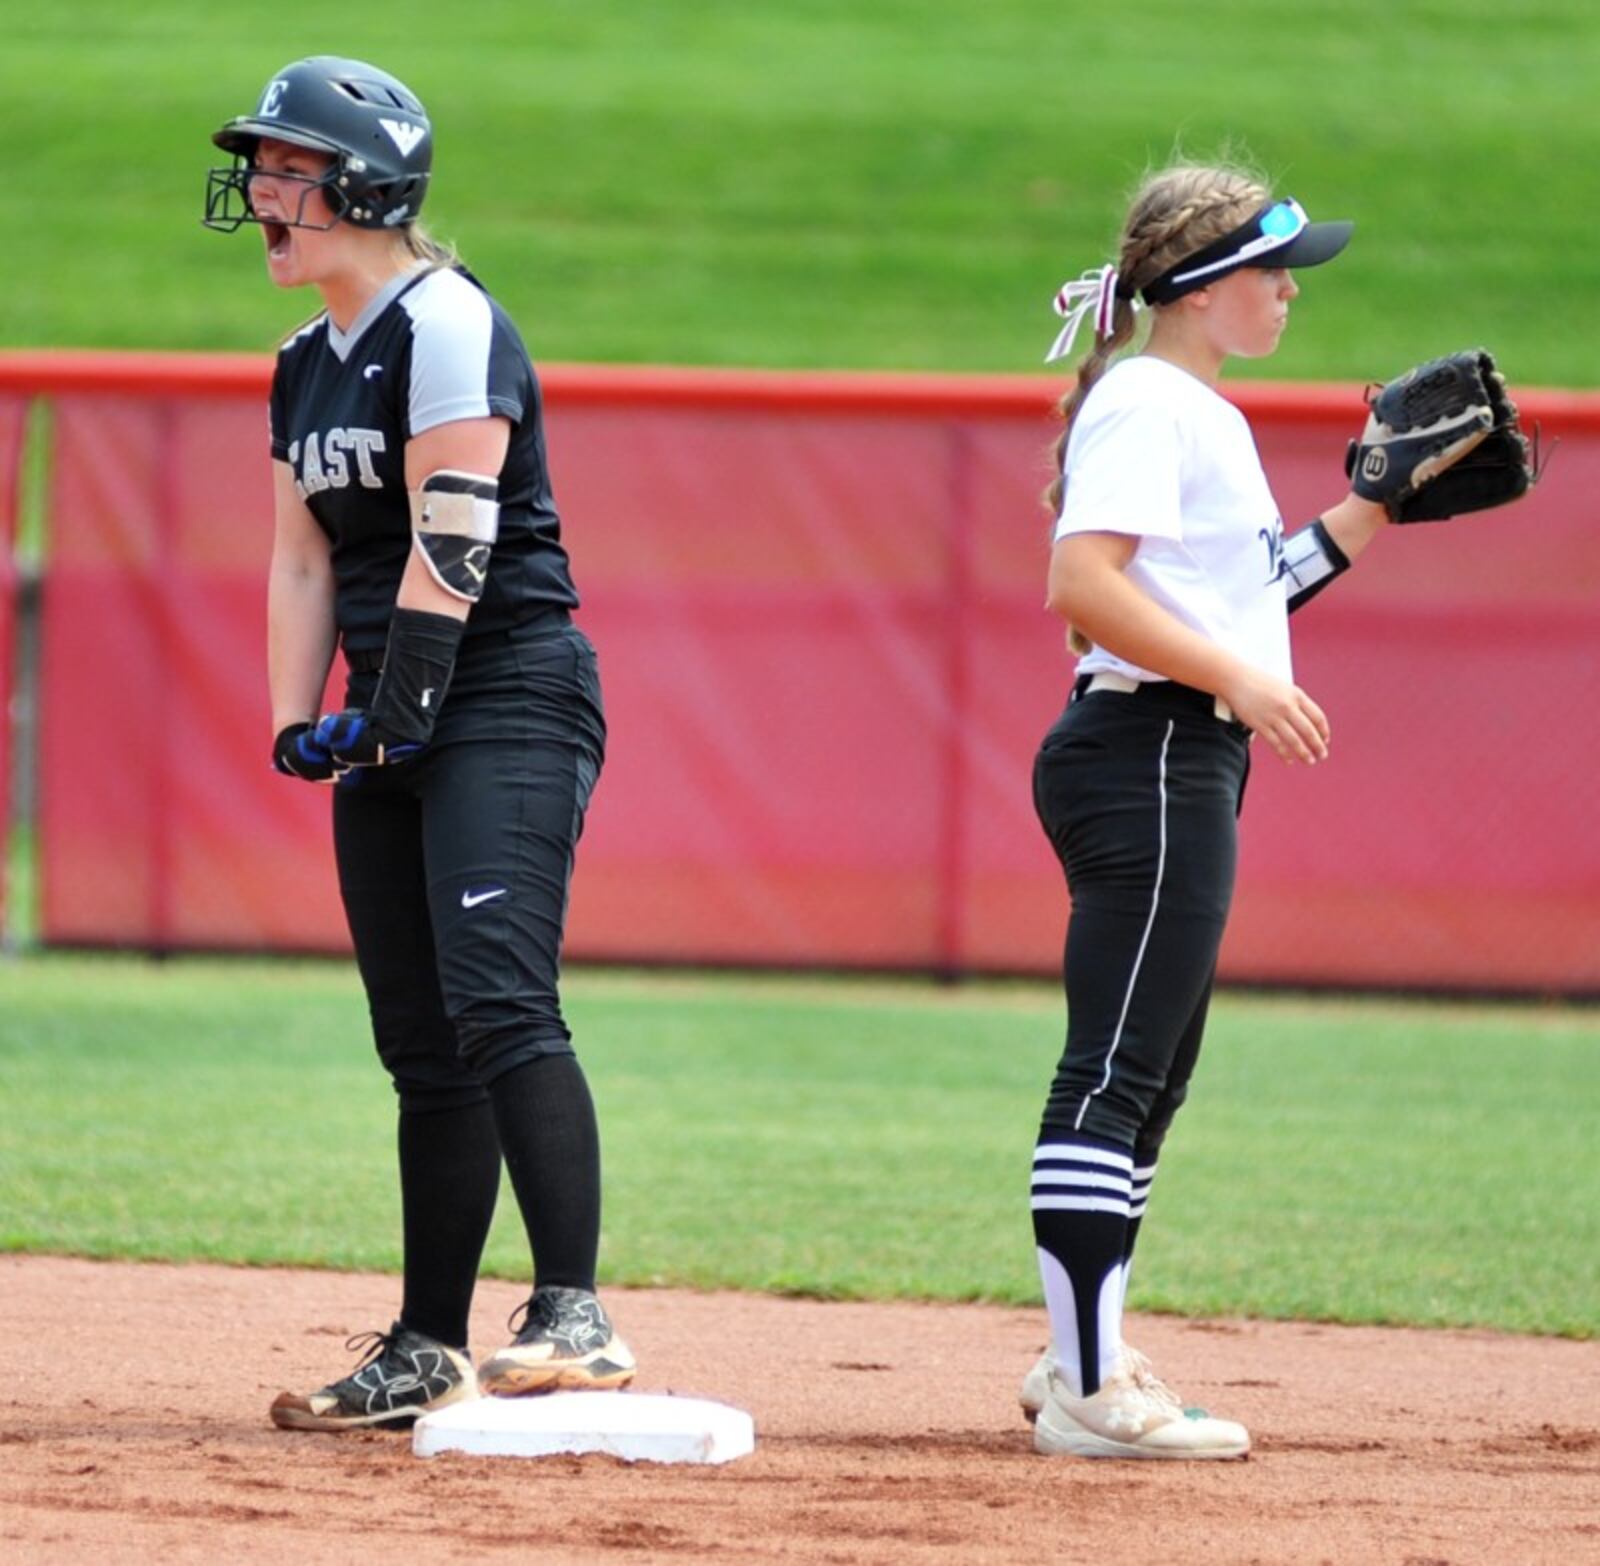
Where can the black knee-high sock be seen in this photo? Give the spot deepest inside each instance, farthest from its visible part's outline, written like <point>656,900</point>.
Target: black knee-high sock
<point>1080,1225</point>
<point>449,1179</point>
<point>551,1144</point>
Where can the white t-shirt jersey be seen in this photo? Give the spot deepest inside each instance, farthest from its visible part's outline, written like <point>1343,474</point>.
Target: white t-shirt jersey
<point>1157,454</point>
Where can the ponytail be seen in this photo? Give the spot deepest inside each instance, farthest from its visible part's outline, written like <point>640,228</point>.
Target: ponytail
<point>422,246</point>
<point>1090,369</point>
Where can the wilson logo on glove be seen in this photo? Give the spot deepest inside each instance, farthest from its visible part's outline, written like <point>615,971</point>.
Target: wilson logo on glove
<point>1442,439</point>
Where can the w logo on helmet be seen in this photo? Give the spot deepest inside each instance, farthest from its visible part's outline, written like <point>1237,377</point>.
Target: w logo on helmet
<point>404,136</point>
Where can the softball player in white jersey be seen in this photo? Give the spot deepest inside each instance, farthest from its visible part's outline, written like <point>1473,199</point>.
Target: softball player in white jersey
<point>1171,567</point>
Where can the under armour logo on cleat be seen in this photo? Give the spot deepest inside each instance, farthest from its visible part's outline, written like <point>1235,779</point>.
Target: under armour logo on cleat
<point>472,899</point>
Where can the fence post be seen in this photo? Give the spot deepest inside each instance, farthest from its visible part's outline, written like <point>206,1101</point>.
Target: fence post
<point>953,835</point>
<point>11,621</point>
<point>166,653</point>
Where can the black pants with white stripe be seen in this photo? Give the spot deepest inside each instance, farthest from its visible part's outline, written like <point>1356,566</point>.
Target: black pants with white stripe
<point>1139,794</point>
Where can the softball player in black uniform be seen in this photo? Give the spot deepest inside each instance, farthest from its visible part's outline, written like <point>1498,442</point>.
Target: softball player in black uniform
<point>1172,569</point>
<point>415,528</point>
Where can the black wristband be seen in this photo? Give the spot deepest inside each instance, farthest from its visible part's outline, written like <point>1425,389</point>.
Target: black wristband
<point>1311,559</point>
<point>416,674</point>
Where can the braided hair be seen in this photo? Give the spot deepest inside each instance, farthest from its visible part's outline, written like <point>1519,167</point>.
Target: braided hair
<point>1175,213</point>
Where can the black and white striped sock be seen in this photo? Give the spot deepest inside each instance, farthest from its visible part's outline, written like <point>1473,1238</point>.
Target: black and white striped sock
<point>1143,1178</point>
<point>1082,1197</point>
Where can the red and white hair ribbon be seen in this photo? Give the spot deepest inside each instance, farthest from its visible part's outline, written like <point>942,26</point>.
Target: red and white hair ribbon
<point>1095,290</point>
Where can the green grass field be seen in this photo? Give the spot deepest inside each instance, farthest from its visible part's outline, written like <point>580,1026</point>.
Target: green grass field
<point>1347,1160</point>
<point>821,182</point>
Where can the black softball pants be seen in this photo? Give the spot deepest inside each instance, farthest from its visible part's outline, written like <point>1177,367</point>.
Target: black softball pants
<point>1139,793</point>
<point>455,867</point>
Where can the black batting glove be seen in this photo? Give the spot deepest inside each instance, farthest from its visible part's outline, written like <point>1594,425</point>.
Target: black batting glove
<point>298,753</point>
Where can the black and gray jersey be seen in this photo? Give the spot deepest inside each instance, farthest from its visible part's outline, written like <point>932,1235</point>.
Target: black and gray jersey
<point>427,349</point>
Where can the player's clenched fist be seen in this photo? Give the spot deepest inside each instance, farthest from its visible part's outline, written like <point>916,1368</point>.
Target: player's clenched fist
<point>298,753</point>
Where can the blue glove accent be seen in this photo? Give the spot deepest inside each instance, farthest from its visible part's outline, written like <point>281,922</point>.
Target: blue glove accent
<point>341,733</point>
<point>352,739</point>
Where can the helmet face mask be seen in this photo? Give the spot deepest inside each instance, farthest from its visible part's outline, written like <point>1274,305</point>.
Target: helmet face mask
<point>370,124</point>
<point>228,202</point>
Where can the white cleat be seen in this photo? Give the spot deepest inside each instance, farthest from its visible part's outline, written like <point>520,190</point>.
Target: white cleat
<point>1134,1414</point>
<point>1036,1385</point>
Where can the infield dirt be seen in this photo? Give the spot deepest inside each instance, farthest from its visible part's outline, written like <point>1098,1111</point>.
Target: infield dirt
<point>133,1429</point>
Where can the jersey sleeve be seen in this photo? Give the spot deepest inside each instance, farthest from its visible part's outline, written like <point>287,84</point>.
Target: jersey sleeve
<point>277,416</point>
<point>465,361</point>
<point>1123,469</point>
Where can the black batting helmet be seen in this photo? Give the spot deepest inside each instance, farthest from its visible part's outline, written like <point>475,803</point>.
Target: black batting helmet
<point>373,125</point>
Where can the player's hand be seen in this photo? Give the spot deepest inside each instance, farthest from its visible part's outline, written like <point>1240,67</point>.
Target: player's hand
<point>1282,714</point>
<point>354,739</point>
<point>297,753</point>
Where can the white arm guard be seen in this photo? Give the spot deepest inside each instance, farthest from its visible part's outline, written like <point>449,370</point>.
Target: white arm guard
<point>455,520</point>
<point>1311,560</point>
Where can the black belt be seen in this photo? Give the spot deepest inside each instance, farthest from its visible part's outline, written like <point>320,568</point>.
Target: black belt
<point>1166,694</point>
<point>369,660</point>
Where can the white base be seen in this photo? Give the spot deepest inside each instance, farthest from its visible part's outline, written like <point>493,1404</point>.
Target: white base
<point>637,1427</point>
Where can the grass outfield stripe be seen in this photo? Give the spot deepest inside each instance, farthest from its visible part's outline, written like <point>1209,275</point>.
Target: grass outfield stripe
<point>1361,1161</point>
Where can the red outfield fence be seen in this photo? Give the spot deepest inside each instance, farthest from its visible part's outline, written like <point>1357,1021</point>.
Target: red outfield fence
<point>817,600</point>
